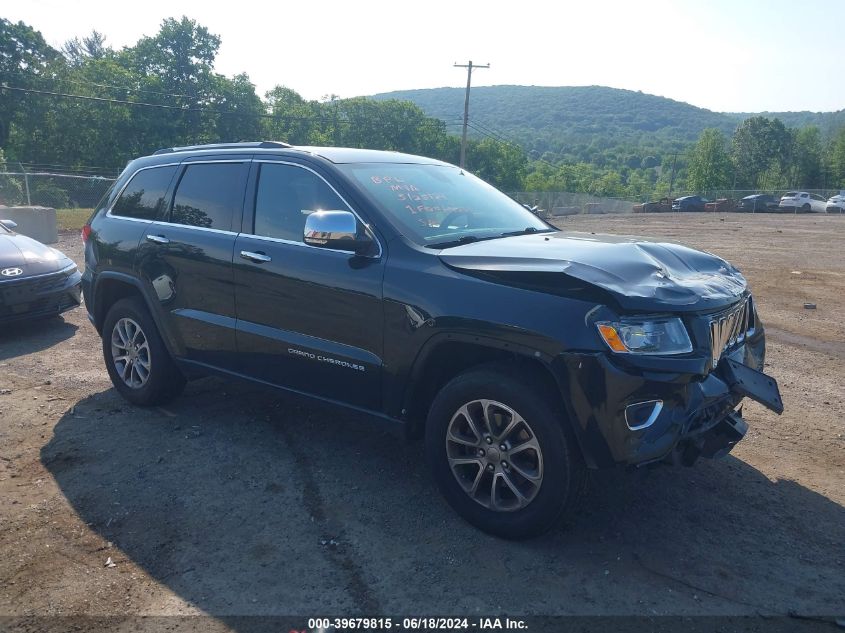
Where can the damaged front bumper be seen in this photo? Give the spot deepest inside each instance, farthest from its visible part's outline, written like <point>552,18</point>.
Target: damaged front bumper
<point>633,417</point>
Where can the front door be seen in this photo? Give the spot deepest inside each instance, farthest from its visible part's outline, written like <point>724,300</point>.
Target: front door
<point>309,319</point>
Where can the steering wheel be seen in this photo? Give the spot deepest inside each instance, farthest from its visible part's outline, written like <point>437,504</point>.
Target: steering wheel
<point>447,221</point>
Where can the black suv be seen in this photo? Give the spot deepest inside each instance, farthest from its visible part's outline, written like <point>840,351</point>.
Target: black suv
<point>408,288</point>
<point>689,203</point>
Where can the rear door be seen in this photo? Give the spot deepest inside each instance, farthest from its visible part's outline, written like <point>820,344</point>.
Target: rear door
<point>186,258</point>
<point>309,318</point>
<point>133,210</point>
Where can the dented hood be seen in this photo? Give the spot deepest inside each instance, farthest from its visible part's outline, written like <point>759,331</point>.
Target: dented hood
<point>640,274</point>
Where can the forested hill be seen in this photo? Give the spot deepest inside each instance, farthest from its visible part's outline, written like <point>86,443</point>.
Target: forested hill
<point>571,124</point>
<point>827,122</point>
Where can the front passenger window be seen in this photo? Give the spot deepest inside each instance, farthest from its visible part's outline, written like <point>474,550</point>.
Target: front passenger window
<point>286,195</point>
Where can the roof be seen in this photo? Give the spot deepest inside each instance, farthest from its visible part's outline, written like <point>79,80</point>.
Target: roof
<point>332,154</point>
<point>353,155</point>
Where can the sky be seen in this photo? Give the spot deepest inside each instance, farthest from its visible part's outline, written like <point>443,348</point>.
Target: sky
<point>724,55</point>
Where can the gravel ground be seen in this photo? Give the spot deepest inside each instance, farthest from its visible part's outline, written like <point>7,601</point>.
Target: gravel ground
<point>234,501</point>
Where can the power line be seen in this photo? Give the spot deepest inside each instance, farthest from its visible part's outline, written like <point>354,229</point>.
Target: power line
<point>124,88</point>
<point>120,101</point>
<point>492,134</point>
<point>469,68</point>
<point>277,117</point>
<point>109,86</point>
<point>501,137</point>
<point>427,121</point>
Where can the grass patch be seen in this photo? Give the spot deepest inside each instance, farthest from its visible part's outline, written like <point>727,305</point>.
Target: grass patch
<point>72,219</point>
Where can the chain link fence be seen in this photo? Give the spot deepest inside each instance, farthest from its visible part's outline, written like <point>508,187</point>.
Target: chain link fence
<point>77,191</point>
<point>47,189</point>
<point>558,203</point>
<point>739,194</point>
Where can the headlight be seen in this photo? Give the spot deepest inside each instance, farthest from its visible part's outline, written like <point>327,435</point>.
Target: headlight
<point>646,336</point>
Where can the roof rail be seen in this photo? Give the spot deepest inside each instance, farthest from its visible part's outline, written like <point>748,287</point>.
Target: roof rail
<point>250,145</point>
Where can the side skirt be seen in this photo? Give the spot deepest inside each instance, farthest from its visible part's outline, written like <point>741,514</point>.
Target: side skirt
<point>195,369</point>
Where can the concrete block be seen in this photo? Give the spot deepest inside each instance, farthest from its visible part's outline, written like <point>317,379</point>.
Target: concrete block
<point>39,223</point>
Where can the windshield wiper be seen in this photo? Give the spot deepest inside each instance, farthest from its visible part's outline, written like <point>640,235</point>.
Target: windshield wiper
<point>463,239</point>
<point>466,239</point>
<point>528,230</point>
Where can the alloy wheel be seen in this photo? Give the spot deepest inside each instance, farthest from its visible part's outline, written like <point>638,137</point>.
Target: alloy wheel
<point>494,455</point>
<point>130,352</point>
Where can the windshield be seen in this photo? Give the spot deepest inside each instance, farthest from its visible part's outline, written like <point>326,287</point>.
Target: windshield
<point>790,194</point>
<point>440,205</point>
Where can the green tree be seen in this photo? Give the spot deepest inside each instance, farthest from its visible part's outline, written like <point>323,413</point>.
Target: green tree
<point>295,120</point>
<point>837,159</point>
<point>639,185</point>
<point>806,158</point>
<point>181,54</point>
<point>500,164</point>
<point>240,109</point>
<point>608,184</point>
<point>709,164</point>
<point>92,46</point>
<point>24,58</point>
<point>759,145</point>
<point>178,60</point>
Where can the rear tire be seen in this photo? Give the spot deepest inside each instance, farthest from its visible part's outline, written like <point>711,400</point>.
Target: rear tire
<point>806,208</point>
<point>512,491</point>
<point>139,365</point>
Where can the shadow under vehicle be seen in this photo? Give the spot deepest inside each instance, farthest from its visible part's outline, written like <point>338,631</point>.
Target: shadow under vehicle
<point>244,502</point>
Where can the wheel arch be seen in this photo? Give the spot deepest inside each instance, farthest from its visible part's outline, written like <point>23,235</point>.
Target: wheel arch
<point>112,286</point>
<point>109,288</point>
<point>447,355</point>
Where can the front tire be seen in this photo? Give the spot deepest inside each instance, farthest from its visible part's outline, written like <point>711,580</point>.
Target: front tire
<point>500,454</point>
<point>139,365</point>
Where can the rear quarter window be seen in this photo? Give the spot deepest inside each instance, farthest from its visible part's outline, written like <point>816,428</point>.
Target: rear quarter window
<point>144,195</point>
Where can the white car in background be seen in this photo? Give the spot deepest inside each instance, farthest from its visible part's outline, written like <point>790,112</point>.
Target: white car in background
<point>836,204</point>
<point>803,201</point>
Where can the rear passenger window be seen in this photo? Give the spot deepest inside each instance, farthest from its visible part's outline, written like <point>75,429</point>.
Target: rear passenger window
<point>209,195</point>
<point>144,195</point>
<point>286,196</point>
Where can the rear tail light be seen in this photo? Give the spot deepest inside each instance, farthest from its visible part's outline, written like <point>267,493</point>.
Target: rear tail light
<point>86,233</point>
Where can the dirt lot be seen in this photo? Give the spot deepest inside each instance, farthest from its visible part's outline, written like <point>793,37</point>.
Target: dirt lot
<point>234,501</point>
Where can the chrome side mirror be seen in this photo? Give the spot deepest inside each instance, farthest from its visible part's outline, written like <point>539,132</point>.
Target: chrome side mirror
<point>9,224</point>
<point>338,230</point>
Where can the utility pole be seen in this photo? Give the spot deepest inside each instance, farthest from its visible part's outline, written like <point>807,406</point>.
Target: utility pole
<point>469,68</point>
<point>672,177</point>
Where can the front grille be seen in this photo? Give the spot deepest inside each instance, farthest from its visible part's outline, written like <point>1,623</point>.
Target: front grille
<point>730,328</point>
<point>30,288</point>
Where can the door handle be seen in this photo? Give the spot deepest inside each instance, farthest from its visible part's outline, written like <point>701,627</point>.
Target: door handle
<point>158,239</point>
<point>258,258</point>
